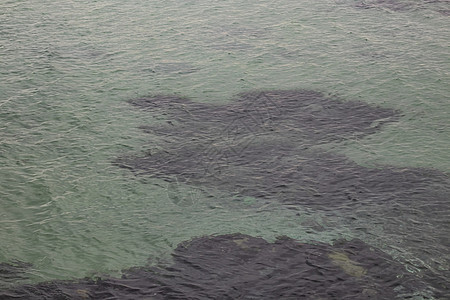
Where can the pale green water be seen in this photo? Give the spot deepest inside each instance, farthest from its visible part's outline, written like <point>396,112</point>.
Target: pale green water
<point>68,67</point>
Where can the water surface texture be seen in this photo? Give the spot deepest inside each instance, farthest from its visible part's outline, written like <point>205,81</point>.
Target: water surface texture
<point>243,267</point>
<point>345,102</point>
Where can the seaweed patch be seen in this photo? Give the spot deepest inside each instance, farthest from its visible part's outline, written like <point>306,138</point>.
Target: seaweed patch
<point>237,266</point>
<point>264,145</point>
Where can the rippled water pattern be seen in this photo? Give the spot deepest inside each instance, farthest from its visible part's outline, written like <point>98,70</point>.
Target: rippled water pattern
<point>69,68</point>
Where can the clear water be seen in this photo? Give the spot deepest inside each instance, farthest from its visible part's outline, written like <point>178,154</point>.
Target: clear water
<point>67,69</point>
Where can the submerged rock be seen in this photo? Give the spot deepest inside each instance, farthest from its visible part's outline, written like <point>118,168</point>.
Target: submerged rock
<point>237,266</point>
<point>263,145</point>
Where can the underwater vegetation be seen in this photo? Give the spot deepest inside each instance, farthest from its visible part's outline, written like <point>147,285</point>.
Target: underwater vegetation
<point>238,266</point>
<point>268,145</point>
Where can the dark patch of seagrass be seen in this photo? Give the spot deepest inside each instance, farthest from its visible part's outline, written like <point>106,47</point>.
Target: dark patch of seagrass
<point>238,266</point>
<point>263,145</point>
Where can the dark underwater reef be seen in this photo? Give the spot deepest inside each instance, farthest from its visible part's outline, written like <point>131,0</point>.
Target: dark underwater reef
<point>265,145</point>
<point>238,266</point>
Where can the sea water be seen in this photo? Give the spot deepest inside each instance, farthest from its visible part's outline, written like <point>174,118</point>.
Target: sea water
<point>68,68</point>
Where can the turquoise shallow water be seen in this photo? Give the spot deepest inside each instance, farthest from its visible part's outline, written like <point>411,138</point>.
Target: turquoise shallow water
<point>67,69</point>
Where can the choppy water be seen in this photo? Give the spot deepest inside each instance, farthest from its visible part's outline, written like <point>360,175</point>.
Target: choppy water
<point>68,69</point>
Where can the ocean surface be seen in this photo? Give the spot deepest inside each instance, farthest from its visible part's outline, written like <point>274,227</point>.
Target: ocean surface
<point>69,70</point>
